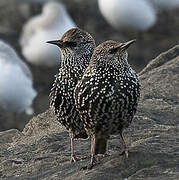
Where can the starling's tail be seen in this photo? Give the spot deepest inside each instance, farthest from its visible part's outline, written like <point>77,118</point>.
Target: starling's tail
<point>101,145</point>
<point>82,135</point>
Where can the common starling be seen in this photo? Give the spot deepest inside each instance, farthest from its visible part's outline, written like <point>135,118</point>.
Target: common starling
<point>107,95</point>
<point>76,47</point>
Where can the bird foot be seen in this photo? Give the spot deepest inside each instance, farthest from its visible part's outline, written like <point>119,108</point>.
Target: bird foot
<point>95,161</point>
<point>125,152</point>
<point>75,158</point>
<point>103,155</point>
<point>91,165</point>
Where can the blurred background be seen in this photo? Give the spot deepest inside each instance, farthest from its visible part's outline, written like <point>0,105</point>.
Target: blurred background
<point>155,26</point>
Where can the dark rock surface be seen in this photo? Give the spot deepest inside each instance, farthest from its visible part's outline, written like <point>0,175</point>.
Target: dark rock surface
<point>41,150</point>
<point>14,13</point>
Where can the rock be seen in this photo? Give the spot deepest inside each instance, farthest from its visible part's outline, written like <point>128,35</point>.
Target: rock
<point>86,14</point>
<point>42,151</point>
<point>161,59</point>
<point>160,88</point>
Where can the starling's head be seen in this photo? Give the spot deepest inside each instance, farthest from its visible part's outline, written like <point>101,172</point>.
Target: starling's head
<point>75,42</point>
<point>111,52</point>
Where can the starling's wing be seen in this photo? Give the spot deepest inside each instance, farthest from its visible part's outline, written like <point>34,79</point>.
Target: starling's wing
<point>82,90</point>
<point>91,98</point>
<point>62,101</point>
<point>54,95</point>
<point>58,91</point>
<point>127,92</point>
<point>61,95</point>
<point>91,104</point>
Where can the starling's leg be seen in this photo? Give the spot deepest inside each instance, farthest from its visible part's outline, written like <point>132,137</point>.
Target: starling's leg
<point>92,163</point>
<point>93,142</point>
<point>125,150</point>
<point>73,156</point>
<point>93,147</point>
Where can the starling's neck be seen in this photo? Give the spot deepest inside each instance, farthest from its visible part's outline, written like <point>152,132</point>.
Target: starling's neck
<point>107,66</point>
<point>121,69</point>
<point>71,61</point>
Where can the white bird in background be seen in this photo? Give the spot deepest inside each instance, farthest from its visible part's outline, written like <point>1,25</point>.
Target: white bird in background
<point>163,5</point>
<point>35,1</point>
<point>128,14</point>
<point>16,91</point>
<point>51,24</point>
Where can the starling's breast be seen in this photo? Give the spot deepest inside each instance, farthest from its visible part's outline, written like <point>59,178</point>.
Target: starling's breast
<point>61,99</point>
<point>108,101</point>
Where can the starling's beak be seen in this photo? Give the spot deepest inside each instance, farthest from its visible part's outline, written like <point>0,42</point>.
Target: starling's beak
<point>58,43</point>
<point>125,45</point>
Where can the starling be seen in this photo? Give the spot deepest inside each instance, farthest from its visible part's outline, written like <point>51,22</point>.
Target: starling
<point>107,95</point>
<point>76,47</point>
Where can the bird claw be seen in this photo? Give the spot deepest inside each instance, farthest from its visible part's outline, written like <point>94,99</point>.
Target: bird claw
<point>75,158</point>
<point>88,167</point>
<point>102,155</point>
<point>91,165</point>
<point>125,152</point>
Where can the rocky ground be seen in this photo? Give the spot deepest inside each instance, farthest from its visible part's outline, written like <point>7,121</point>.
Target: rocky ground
<point>14,13</point>
<point>41,151</point>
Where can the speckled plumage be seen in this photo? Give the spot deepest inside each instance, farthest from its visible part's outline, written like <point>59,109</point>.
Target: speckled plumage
<point>107,95</point>
<point>76,48</point>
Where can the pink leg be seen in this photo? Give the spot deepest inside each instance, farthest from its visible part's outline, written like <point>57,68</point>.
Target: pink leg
<point>93,142</point>
<point>125,149</point>
<point>93,146</point>
<point>73,156</point>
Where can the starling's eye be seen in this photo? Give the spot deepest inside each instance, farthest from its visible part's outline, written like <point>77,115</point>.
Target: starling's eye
<point>71,44</point>
<point>113,50</point>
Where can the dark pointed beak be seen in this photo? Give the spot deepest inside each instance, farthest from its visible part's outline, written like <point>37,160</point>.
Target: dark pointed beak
<point>58,43</point>
<point>125,45</point>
